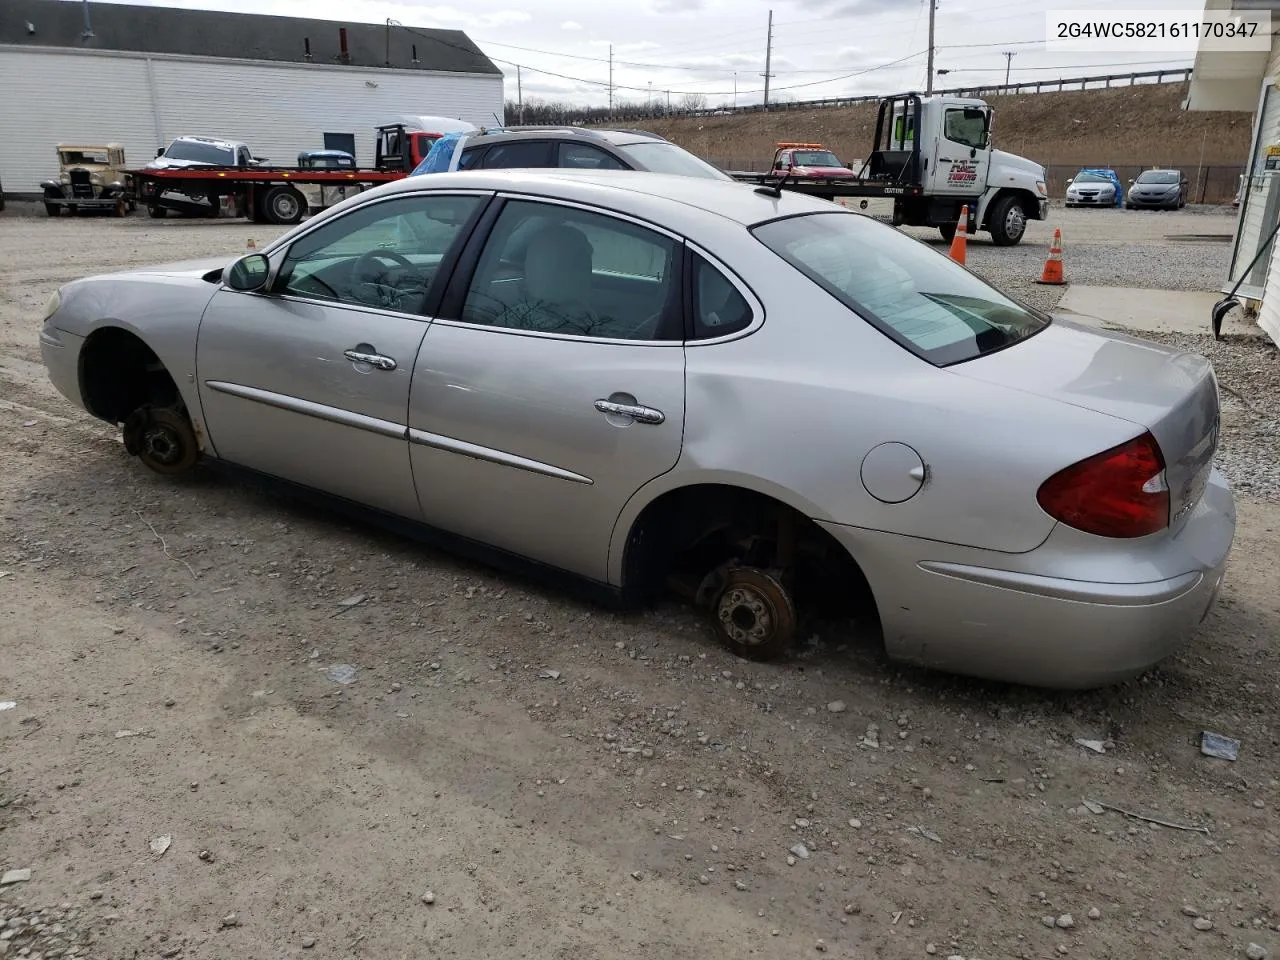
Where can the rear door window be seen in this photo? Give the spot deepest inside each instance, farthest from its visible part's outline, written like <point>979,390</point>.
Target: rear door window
<point>520,153</point>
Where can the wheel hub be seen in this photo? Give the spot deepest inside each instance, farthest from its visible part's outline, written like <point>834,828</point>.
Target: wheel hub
<point>1015,221</point>
<point>161,444</point>
<point>745,614</point>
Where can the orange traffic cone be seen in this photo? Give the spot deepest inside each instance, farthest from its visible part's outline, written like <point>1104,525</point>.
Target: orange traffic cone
<point>959,242</point>
<point>1052,273</point>
<point>251,245</point>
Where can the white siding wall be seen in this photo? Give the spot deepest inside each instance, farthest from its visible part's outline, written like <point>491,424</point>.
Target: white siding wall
<point>278,109</point>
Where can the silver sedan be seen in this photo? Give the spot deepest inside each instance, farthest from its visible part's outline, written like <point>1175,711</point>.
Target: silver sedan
<point>782,408</point>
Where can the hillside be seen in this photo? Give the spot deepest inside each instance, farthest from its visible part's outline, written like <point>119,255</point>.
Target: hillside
<point>1138,126</point>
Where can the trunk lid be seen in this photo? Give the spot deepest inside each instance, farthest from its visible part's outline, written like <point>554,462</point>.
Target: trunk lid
<point>1167,391</point>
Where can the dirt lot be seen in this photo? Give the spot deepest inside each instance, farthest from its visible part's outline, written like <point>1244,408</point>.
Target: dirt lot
<point>170,651</point>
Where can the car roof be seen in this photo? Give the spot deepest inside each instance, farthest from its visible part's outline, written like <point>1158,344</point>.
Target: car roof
<point>213,140</point>
<point>627,190</point>
<point>568,132</point>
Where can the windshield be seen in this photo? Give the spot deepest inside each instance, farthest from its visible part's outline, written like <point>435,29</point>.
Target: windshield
<point>1158,176</point>
<point>1091,178</point>
<point>201,152</point>
<point>84,156</point>
<point>919,298</point>
<point>658,157</point>
<point>815,158</point>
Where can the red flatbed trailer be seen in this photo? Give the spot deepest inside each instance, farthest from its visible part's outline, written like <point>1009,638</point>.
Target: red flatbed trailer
<point>263,194</point>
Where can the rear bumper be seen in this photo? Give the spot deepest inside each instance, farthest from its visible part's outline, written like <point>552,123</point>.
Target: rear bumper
<point>965,611</point>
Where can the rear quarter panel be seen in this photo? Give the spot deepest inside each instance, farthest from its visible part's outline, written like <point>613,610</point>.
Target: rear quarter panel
<point>792,409</point>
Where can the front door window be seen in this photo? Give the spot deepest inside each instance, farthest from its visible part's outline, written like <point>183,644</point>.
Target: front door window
<point>384,255</point>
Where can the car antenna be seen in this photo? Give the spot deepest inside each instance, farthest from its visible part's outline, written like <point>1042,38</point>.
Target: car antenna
<point>775,189</point>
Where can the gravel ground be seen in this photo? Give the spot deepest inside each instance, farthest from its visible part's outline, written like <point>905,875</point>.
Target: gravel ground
<point>185,660</point>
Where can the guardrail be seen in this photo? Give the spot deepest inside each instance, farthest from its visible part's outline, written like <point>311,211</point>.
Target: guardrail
<point>659,110</point>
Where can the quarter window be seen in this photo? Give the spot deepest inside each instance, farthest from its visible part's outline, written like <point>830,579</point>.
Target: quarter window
<point>718,308</point>
<point>560,270</point>
<point>381,255</point>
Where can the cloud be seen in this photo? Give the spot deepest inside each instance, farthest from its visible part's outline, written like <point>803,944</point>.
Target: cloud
<point>677,6</point>
<point>442,15</point>
<point>841,9</point>
<point>571,25</point>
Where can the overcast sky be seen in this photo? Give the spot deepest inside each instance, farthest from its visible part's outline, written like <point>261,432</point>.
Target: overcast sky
<point>821,48</point>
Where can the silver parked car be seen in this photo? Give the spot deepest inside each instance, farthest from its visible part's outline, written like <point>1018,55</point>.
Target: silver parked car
<point>639,379</point>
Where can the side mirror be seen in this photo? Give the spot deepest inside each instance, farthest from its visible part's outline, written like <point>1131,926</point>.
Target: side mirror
<point>1071,180</point>
<point>160,151</point>
<point>249,273</point>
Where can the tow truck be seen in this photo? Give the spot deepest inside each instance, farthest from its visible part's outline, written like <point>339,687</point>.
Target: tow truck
<point>931,156</point>
<point>271,194</point>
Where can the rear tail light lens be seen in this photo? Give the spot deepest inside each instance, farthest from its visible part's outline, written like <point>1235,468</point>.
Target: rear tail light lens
<point>1120,492</point>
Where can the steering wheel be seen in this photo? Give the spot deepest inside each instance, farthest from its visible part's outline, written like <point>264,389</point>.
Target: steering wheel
<point>361,272</point>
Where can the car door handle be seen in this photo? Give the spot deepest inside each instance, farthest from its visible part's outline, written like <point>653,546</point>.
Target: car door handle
<point>945,160</point>
<point>373,359</point>
<point>635,411</point>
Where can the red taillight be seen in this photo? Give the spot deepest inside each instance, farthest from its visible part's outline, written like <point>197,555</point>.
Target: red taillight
<point>1120,492</point>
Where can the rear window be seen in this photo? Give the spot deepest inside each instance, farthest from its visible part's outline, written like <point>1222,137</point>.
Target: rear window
<point>918,297</point>
<point>659,157</point>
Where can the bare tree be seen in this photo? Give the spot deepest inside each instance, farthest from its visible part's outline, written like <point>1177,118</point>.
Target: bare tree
<point>692,102</point>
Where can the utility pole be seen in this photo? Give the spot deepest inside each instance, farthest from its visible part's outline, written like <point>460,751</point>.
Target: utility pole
<point>648,104</point>
<point>668,101</point>
<point>768,59</point>
<point>611,81</point>
<point>1008,62</point>
<point>735,89</point>
<point>519,95</point>
<point>928,80</point>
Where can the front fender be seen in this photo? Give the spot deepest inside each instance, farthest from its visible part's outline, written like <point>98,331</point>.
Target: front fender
<point>52,189</point>
<point>162,311</point>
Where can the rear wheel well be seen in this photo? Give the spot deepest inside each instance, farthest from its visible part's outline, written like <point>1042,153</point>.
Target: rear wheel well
<point>688,533</point>
<point>119,373</point>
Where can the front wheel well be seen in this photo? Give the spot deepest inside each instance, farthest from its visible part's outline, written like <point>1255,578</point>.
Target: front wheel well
<point>119,373</point>
<point>1027,200</point>
<point>688,533</point>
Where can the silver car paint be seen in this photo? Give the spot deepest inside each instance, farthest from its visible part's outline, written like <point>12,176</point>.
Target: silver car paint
<point>990,432</point>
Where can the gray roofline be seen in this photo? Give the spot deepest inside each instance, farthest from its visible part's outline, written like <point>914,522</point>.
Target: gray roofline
<point>130,28</point>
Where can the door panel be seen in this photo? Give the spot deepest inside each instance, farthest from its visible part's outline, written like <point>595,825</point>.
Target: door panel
<point>560,390</point>
<point>279,395</point>
<point>508,447</point>
<point>963,132</point>
<point>310,382</point>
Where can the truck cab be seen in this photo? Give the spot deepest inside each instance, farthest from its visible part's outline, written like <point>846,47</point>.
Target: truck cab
<point>808,160</point>
<point>941,146</point>
<point>405,142</point>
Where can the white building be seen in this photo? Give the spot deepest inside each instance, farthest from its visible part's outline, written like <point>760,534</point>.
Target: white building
<point>1240,80</point>
<point>88,73</point>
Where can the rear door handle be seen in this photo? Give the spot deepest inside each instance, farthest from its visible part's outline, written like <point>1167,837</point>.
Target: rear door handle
<point>635,411</point>
<point>373,359</point>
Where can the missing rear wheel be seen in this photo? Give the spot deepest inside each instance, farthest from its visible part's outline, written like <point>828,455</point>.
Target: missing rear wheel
<point>754,615</point>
